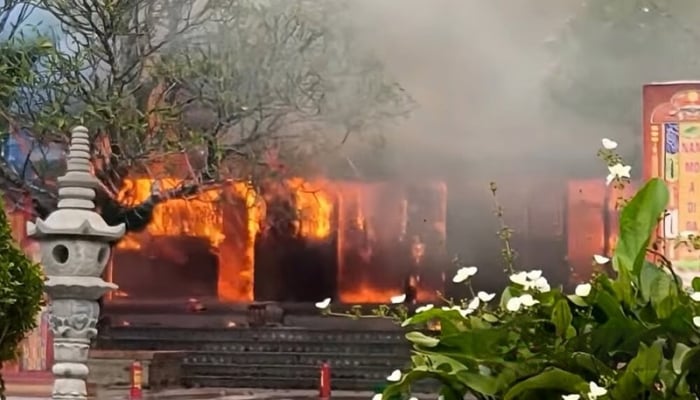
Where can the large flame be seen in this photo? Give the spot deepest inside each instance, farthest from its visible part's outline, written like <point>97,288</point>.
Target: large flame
<point>174,217</point>
<point>380,249</point>
<point>202,216</point>
<point>314,204</point>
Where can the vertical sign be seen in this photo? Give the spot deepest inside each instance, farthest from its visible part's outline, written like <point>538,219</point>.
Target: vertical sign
<point>672,152</point>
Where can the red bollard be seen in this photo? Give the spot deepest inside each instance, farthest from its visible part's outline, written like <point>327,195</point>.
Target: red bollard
<point>136,390</point>
<point>324,388</point>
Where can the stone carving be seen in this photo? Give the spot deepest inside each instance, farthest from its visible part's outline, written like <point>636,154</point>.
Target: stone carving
<point>75,247</point>
<point>74,318</point>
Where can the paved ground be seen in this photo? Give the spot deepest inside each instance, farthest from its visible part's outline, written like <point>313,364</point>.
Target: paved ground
<point>224,394</point>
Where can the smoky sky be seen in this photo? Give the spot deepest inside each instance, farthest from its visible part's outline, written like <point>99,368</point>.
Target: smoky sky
<point>477,70</point>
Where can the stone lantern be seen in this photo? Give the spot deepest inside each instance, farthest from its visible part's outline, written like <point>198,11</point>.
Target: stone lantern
<point>75,244</point>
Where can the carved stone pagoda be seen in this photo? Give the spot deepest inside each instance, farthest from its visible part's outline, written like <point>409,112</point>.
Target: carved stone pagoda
<point>75,247</point>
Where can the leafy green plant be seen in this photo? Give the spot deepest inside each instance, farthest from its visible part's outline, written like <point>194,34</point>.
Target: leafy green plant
<point>631,333</point>
<point>21,288</point>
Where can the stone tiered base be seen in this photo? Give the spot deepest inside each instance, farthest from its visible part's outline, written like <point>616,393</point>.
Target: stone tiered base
<point>273,357</point>
<point>361,353</point>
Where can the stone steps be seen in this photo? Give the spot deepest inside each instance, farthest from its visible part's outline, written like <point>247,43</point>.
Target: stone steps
<point>296,359</point>
<point>227,381</point>
<point>272,358</point>
<point>284,371</point>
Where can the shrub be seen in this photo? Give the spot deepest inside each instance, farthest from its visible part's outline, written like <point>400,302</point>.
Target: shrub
<point>630,333</point>
<point>21,288</point>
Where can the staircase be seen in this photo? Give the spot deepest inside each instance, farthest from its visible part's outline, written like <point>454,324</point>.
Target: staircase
<point>284,357</point>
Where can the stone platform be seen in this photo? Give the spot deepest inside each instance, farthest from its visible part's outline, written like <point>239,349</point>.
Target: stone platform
<point>221,351</point>
<point>161,369</point>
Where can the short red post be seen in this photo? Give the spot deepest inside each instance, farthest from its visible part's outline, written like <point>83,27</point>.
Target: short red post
<point>324,388</point>
<point>136,390</point>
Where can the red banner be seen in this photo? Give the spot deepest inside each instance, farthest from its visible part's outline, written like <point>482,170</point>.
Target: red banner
<point>672,152</point>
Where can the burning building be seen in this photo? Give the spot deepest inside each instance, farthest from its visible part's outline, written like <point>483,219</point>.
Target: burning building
<point>304,239</point>
<point>301,240</point>
<point>294,240</point>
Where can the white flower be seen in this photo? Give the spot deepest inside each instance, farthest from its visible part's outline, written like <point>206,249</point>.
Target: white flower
<point>413,398</point>
<point>609,144</point>
<point>424,308</point>
<point>541,284</point>
<point>617,171</point>
<point>465,311</point>
<point>464,273</point>
<point>596,391</point>
<point>695,296</point>
<point>571,397</point>
<point>485,297</point>
<point>395,376</point>
<point>516,303</point>
<point>474,304</point>
<point>513,304</point>
<point>462,311</point>
<point>532,279</point>
<point>377,396</point>
<point>398,299</point>
<point>527,300</point>
<point>534,275</point>
<point>324,303</point>
<point>583,290</point>
<point>520,278</point>
<point>696,321</point>
<point>600,259</point>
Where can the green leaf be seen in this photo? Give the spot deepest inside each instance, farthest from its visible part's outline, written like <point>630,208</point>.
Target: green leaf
<point>647,364</point>
<point>479,344</point>
<point>577,300</point>
<point>489,317</point>
<point>550,379</point>
<point>641,372</point>
<point>444,363</point>
<point>403,386</point>
<point>609,304</point>
<point>687,358</point>
<point>561,317</point>
<point>508,293</point>
<point>451,319</point>
<point>647,276</point>
<point>591,364</point>
<point>638,221</point>
<point>696,284</point>
<point>663,295</point>
<point>679,355</point>
<point>421,339</point>
<point>624,290</point>
<point>487,385</point>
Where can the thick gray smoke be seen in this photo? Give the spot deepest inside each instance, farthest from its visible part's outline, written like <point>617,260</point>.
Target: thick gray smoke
<point>476,70</point>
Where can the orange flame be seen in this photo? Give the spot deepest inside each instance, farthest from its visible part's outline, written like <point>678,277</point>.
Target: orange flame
<point>314,206</point>
<point>368,220</point>
<point>173,218</point>
<point>200,216</point>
